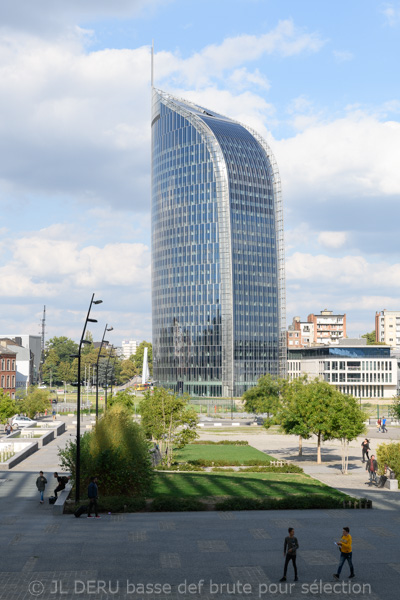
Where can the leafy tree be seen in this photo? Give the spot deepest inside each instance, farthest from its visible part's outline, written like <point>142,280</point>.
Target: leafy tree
<point>370,337</point>
<point>117,452</point>
<point>36,401</point>
<point>123,398</point>
<point>8,407</point>
<point>58,350</point>
<point>66,372</point>
<point>87,348</point>
<point>312,407</point>
<point>389,455</point>
<point>167,420</point>
<point>293,409</point>
<point>128,370</point>
<point>394,410</point>
<point>138,357</point>
<point>348,423</point>
<point>264,397</point>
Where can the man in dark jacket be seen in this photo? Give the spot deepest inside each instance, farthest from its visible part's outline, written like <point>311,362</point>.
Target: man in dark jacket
<point>62,482</point>
<point>372,467</point>
<point>289,551</point>
<point>365,449</point>
<point>92,495</point>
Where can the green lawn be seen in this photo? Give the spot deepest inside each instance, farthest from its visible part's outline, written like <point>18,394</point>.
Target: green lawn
<point>245,485</point>
<point>214,452</point>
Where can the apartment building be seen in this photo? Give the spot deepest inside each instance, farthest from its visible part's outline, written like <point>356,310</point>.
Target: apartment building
<point>129,347</point>
<point>328,327</point>
<point>387,327</point>
<point>7,370</point>
<point>351,366</point>
<point>300,334</point>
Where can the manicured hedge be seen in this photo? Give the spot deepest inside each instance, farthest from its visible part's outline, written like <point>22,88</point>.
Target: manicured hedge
<point>315,501</point>
<point>222,443</point>
<point>168,504</point>
<point>202,462</point>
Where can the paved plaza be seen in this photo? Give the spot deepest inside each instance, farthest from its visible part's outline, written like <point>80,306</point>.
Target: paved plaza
<point>212,555</point>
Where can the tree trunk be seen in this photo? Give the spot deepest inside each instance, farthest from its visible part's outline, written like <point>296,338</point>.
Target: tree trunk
<point>300,446</point>
<point>319,449</point>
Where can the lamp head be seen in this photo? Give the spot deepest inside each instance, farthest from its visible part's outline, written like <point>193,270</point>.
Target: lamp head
<point>97,301</point>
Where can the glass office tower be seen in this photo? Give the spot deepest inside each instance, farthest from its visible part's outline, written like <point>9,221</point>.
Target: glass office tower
<point>218,282</point>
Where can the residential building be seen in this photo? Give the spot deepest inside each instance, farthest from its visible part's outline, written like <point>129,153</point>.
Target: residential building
<point>300,334</point>
<point>129,347</point>
<point>328,327</point>
<point>24,364</point>
<point>352,366</point>
<point>34,344</point>
<point>7,370</point>
<point>218,285</point>
<point>387,327</point>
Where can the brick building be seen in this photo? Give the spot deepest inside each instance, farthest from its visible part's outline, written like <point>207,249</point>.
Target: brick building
<point>8,369</point>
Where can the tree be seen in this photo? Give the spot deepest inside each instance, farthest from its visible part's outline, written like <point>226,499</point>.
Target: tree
<point>117,452</point>
<point>264,397</point>
<point>58,350</point>
<point>167,420</point>
<point>293,409</point>
<point>66,372</point>
<point>371,339</point>
<point>348,424</point>
<point>395,408</point>
<point>128,370</point>
<point>310,407</point>
<point>138,357</point>
<point>36,401</point>
<point>123,398</point>
<point>8,407</point>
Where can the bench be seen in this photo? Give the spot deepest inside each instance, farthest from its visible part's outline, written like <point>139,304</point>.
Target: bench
<point>58,506</point>
<point>392,484</point>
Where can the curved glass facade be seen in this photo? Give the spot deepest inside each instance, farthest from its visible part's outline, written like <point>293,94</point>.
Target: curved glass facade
<point>215,260</point>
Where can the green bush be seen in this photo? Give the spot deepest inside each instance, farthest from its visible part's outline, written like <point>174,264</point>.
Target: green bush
<point>226,463</point>
<point>179,467</point>
<point>389,454</point>
<point>222,443</point>
<point>116,452</point>
<point>169,504</point>
<point>223,470</point>
<point>273,469</point>
<point>315,501</point>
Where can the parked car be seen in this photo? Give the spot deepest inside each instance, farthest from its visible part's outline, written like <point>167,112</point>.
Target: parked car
<point>54,400</point>
<point>20,421</point>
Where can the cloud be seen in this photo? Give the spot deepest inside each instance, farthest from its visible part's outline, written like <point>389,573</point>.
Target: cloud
<point>242,78</point>
<point>52,263</point>
<point>343,55</point>
<point>391,13</point>
<point>197,71</point>
<point>332,239</point>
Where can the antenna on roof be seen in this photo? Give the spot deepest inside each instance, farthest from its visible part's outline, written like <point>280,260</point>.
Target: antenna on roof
<point>152,64</point>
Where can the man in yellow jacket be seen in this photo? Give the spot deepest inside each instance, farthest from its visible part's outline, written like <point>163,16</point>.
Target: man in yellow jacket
<point>345,553</point>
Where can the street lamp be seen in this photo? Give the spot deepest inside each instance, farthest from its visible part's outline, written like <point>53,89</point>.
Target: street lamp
<point>78,410</point>
<point>108,362</point>
<point>103,341</point>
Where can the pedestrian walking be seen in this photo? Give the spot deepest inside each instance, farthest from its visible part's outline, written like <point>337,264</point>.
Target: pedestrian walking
<point>345,547</point>
<point>54,414</point>
<point>384,430</point>
<point>378,425</point>
<point>93,496</point>
<point>41,485</point>
<point>372,468</point>
<point>365,449</point>
<point>8,429</point>
<point>289,551</point>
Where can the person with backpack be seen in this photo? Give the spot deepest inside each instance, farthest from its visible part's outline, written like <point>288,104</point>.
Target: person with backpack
<point>41,485</point>
<point>62,482</point>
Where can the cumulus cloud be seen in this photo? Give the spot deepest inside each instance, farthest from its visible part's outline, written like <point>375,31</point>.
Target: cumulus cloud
<point>332,239</point>
<point>391,13</point>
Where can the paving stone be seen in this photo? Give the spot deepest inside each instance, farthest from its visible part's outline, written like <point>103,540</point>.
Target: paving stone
<point>260,534</point>
<point>319,557</point>
<point>227,516</point>
<point>212,546</point>
<point>170,560</point>
<point>166,525</point>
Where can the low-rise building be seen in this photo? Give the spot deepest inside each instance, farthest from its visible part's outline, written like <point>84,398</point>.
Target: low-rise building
<point>32,343</point>
<point>300,334</point>
<point>328,327</point>
<point>129,347</point>
<point>351,366</point>
<point>7,370</point>
<point>387,327</point>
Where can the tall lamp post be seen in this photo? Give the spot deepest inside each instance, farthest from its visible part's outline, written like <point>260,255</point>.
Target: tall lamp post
<point>103,341</point>
<point>108,362</point>
<point>78,408</point>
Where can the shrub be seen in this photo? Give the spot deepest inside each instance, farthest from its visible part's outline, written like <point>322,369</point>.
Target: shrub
<point>314,501</point>
<point>114,504</point>
<point>226,463</point>
<point>273,469</point>
<point>169,504</point>
<point>222,443</point>
<point>223,470</point>
<point>117,452</point>
<point>179,467</point>
<point>389,454</point>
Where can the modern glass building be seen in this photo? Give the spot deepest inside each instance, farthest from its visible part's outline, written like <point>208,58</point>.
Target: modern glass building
<point>218,283</point>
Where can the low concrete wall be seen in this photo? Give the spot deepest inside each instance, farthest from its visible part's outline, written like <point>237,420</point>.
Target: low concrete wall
<point>57,426</point>
<point>46,435</point>
<point>22,449</point>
